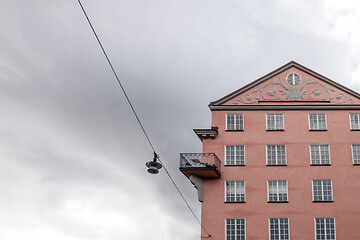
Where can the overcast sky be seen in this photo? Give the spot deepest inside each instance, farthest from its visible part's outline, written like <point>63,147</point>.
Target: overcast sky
<point>72,156</point>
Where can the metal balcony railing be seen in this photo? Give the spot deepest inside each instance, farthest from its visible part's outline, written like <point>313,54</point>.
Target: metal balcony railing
<point>200,160</point>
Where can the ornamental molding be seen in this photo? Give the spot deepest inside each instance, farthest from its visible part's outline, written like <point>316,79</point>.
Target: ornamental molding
<point>278,91</point>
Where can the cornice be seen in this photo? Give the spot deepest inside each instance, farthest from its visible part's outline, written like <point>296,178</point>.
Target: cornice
<point>284,107</point>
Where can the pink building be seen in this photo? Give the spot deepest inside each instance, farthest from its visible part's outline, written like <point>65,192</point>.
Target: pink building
<point>281,160</point>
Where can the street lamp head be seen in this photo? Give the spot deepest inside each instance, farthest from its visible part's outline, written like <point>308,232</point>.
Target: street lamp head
<point>154,166</point>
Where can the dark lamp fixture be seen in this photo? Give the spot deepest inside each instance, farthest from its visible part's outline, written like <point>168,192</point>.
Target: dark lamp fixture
<point>153,166</point>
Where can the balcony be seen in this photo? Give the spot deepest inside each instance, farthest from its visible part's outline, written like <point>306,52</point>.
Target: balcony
<point>205,165</point>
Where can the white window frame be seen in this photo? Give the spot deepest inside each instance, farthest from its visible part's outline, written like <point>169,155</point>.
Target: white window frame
<point>236,161</point>
<point>358,121</point>
<point>317,122</point>
<point>276,153</point>
<point>279,224</point>
<point>322,190</point>
<point>236,128</point>
<point>235,237</point>
<point>356,161</point>
<point>242,191</point>
<point>325,223</point>
<point>277,191</point>
<point>318,146</point>
<point>274,116</point>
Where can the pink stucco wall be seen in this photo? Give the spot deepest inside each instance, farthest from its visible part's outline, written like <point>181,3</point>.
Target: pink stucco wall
<point>300,209</point>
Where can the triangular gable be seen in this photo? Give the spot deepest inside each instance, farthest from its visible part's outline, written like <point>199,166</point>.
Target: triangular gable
<point>291,84</point>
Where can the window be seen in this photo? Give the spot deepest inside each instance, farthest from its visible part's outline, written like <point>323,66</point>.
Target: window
<point>324,228</point>
<point>235,155</point>
<point>235,122</point>
<point>322,191</point>
<point>277,191</point>
<point>317,121</point>
<point>279,228</point>
<point>356,154</point>
<point>274,121</point>
<point>234,191</point>
<point>355,121</point>
<point>235,229</point>
<point>275,155</point>
<point>293,79</point>
<point>319,155</point>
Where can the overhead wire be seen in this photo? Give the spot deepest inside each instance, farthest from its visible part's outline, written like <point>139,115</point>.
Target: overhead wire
<point>116,76</point>
<point>136,116</point>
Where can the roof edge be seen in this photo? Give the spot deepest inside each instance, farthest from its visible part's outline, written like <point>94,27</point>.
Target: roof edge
<point>284,107</point>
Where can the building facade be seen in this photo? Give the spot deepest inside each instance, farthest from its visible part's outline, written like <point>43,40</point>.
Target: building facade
<point>281,160</point>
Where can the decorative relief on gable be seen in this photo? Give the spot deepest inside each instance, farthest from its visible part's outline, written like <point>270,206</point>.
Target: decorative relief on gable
<point>308,91</point>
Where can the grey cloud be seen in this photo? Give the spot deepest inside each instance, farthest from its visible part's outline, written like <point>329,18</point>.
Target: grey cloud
<point>73,156</point>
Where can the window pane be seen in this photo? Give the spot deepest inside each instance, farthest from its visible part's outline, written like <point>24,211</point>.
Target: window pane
<point>317,121</point>
<point>321,121</point>
<point>322,190</point>
<point>235,191</point>
<point>235,229</point>
<point>279,228</point>
<point>281,155</point>
<point>277,191</point>
<point>271,154</point>
<point>235,155</point>
<point>279,121</point>
<point>234,121</point>
<point>276,155</point>
<point>355,121</point>
<point>324,228</point>
<point>356,153</point>
<point>319,154</point>
<point>313,121</point>
<point>275,121</point>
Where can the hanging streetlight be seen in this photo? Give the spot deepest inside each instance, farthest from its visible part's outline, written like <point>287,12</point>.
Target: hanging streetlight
<point>153,166</point>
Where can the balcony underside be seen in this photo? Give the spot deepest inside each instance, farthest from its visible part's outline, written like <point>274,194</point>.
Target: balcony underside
<point>204,172</point>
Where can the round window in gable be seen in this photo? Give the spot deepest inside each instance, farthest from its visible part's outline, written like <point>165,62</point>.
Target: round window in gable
<point>293,79</point>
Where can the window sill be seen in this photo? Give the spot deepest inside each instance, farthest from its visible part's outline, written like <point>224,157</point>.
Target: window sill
<point>355,130</point>
<point>234,202</point>
<point>323,201</point>
<point>234,130</point>
<point>356,164</point>
<point>228,165</point>
<point>317,130</point>
<point>320,164</point>
<point>275,130</point>
<point>278,201</point>
<point>276,165</point>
